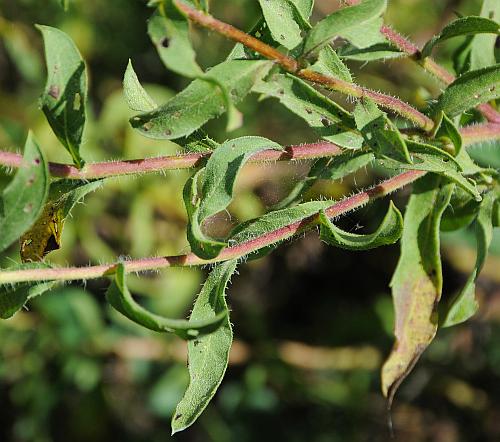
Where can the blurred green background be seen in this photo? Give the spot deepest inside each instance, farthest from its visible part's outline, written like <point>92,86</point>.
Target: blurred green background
<point>312,324</point>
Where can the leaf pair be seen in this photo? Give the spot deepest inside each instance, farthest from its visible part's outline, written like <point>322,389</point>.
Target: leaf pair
<point>208,330</point>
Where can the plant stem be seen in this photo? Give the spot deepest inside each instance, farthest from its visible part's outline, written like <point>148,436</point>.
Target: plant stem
<point>409,48</point>
<point>291,65</point>
<point>182,161</point>
<point>91,171</point>
<point>238,251</point>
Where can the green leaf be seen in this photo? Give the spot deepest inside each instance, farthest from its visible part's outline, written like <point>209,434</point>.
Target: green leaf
<point>461,211</point>
<point>462,26</point>
<point>482,52</point>
<point>13,298</point>
<point>22,201</point>
<point>447,132</point>
<point>417,281</point>
<point>378,51</point>
<point>135,95</point>
<point>65,96</point>
<point>275,220</point>
<point>341,21</point>
<point>217,184</point>
<point>366,34</point>
<point>329,63</point>
<point>465,305</point>
<point>44,236</point>
<point>121,299</point>
<point>381,135</point>
<point>303,9</point>
<point>280,17</point>
<point>207,355</point>
<point>201,100</point>
<point>64,4</point>
<point>437,162</point>
<point>169,31</point>
<point>469,90</point>
<point>388,232</point>
<point>333,122</point>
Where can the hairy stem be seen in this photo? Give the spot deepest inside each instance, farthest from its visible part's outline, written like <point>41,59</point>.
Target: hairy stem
<point>291,65</point>
<point>238,251</point>
<point>182,161</point>
<point>91,171</point>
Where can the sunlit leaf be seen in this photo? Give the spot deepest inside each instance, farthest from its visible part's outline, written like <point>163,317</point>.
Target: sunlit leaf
<point>135,95</point>
<point>280,17</point>
<point>22,201</point>
<point>462,26</point>
<point>65,96</point>
<point>342,21</point>
<point>202,100</point>
<point>469,90</point>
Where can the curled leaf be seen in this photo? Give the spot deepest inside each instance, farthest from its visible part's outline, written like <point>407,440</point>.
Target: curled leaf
<point>121,299</point>
<point>388,232</point>
<point>217,186</point>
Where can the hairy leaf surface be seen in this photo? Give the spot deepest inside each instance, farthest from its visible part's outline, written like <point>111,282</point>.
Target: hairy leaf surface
<point>207,355</point>
<point>121,299</point>
<point>388,232</point>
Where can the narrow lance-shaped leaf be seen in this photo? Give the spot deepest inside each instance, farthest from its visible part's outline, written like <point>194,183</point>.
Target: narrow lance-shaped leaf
<point>169,31</point>
<point>273,221</point>
<point>207,355</point>
<point>65,96</point>
<point>465,305</point>
<point>381,135</point>
<point>342,21</point>
<point>135,95</point>
<point>417,281</point>
<point>436,161</point>
<point>333,122</point>
<point>201,100</point>
<point>462,26</point>
<point>304,9</point>
<point>22,201</point>
<point>280,17</point>
<point>388,232</point>
<point>469,90</point>
<point>13,298</point>
<point>378,51</point>
<point>121,299</point>
<point>217,185</point>
<point>44,236</point>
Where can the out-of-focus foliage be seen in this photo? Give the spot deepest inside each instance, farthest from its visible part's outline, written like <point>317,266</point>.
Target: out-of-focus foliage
<point>73,370</point>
